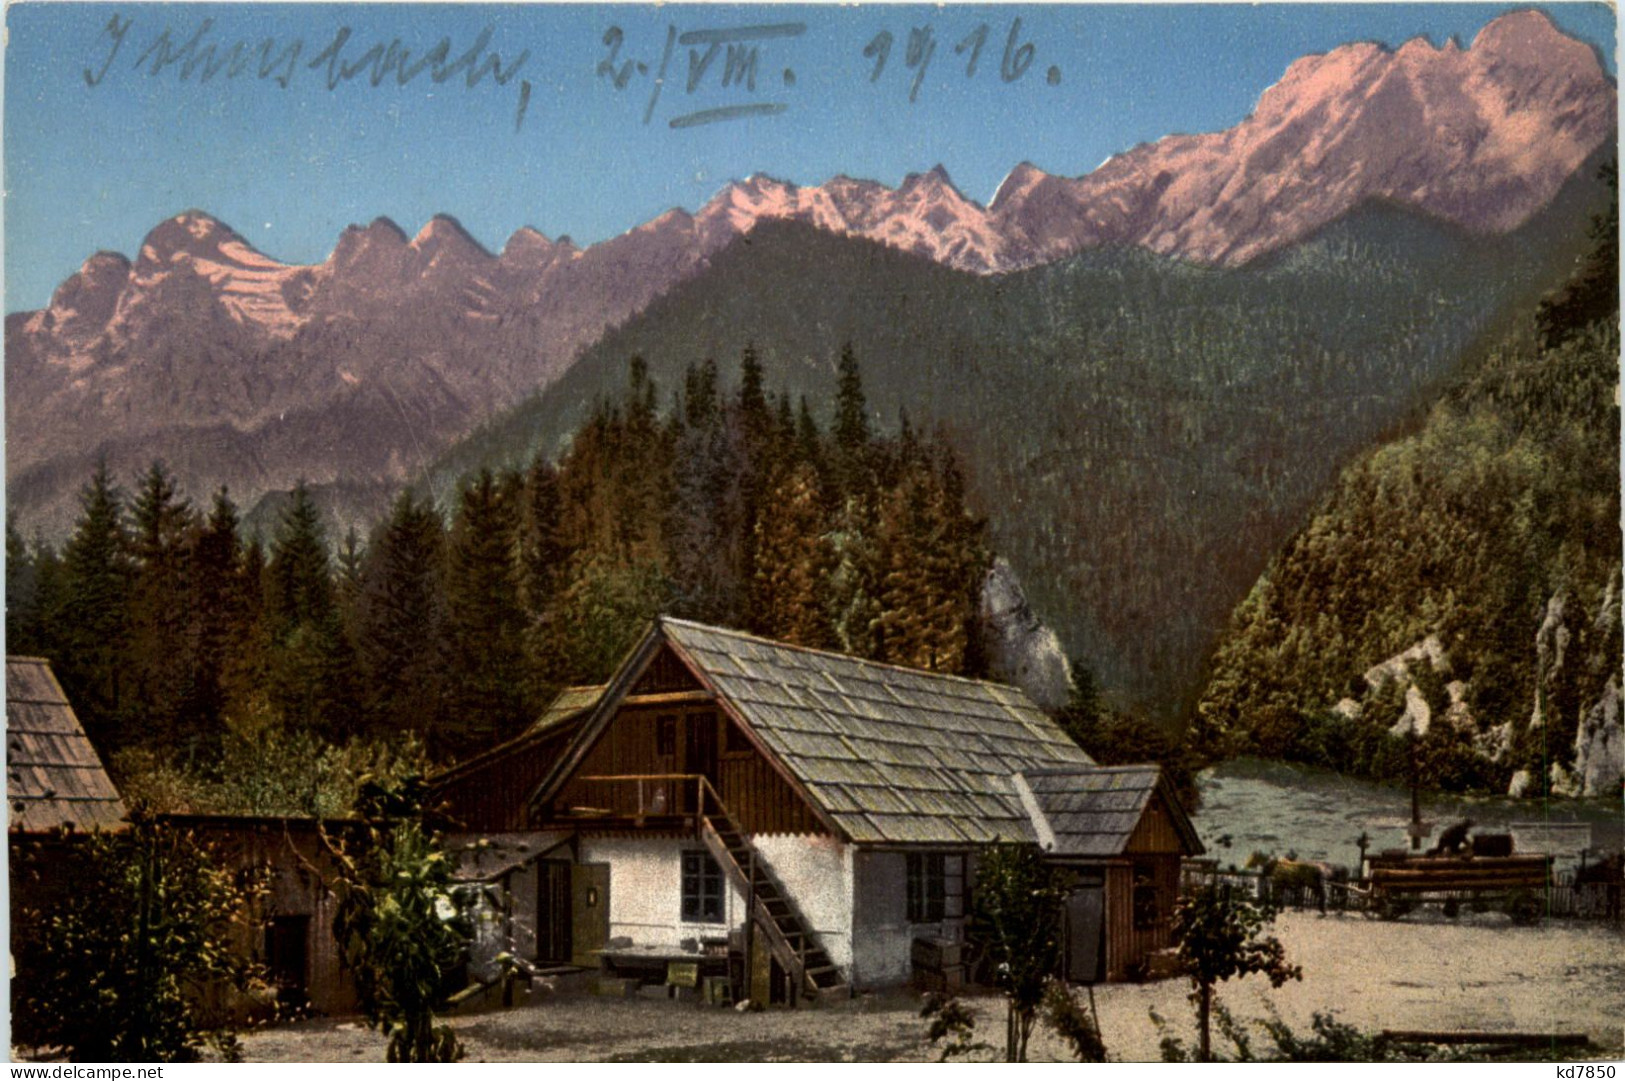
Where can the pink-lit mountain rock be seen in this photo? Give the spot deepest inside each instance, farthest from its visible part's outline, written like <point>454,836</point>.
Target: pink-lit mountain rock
<point>1482,137</point>
<point>242,370</point>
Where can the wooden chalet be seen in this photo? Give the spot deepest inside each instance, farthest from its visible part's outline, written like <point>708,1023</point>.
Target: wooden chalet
<point>822,812</point>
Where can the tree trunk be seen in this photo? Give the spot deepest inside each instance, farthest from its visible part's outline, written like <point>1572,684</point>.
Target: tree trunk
<point>1010,1032</point>
<point>1204,1010</point>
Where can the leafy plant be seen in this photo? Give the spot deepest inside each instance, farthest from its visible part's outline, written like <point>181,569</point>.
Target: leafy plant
<point>1076,1026</point>
<point>1016,915</point>
<point>122,964</point>
<point>1219,934</point>
<point>1333,1041</point>
<point>397,922</point>
<point>953,1021</point>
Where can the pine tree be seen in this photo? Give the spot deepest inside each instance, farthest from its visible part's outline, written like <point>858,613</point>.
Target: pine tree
<point>94,639</point>
<point>853,595</point>
<point>544,557</point>
<point>484,620</point>
<point>705,534</point>
<point>221,622</point>
<point>851,429</point>
<point>794,561</point>
<point>756,419</point>
<point>401,622</point>
<point>21,589</point>
<point>923,611</point>
<point>312,667</point>
<point>161,619</point>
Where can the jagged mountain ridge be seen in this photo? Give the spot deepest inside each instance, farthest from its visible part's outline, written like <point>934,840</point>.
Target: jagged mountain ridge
<point>243,370</point>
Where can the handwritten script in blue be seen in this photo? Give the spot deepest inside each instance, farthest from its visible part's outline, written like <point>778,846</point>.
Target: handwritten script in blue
<point>726,60</point>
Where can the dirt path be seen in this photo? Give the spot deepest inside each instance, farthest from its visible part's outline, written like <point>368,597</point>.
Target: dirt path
<point>1414,974</point>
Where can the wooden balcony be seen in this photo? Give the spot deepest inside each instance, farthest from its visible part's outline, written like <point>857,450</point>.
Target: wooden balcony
<point>642,801</point>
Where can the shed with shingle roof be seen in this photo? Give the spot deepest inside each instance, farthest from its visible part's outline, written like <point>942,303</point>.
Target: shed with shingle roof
<point>54,777</point>
<point>1123,831</point>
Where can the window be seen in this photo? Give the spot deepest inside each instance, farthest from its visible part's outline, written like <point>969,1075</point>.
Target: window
<point>936,887</point>
<point>1146,913</point>
<point>666,735</point>
<point>737,742</point>
<point>702,888</point>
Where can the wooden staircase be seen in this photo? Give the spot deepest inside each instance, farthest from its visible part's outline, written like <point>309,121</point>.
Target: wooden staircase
<point>771,911</point>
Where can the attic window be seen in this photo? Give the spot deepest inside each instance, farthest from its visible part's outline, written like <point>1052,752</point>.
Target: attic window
<point>737,742</point>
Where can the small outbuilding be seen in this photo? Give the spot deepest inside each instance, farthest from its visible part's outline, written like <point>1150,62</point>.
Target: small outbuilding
<point>55,780</point>
<point>1122,831</point>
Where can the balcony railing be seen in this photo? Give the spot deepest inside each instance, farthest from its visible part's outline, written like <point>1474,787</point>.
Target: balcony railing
<point>639,796</point>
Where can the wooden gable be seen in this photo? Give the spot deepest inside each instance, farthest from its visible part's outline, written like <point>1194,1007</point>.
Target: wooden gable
<point>669,727</point>
<point>665,674</point>
<point>1156,832</point>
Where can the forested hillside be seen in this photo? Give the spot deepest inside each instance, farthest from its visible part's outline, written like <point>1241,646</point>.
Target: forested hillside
<point>256,677</point>
<point>1141,433</point>
<point>1462,582</point>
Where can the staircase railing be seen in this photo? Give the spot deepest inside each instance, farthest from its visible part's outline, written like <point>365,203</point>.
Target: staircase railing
<point>792,955</point>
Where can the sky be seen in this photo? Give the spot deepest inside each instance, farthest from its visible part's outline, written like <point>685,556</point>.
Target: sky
<point>117,116</point>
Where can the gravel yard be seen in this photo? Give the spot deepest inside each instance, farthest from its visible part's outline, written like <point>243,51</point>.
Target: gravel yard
<point>1419,973</point>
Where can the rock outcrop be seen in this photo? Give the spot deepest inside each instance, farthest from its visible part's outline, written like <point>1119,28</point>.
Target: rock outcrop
<point>1020,648</point>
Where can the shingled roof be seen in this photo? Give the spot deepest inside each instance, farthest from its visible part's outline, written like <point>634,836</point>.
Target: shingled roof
<point>1093,812</point>
<point>54,777</point>
<point>567,705</point>
<point>888,754</point>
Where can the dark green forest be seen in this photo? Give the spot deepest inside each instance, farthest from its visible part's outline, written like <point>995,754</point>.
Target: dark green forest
<point>1493,528</point>
<point>263,675</point>
<point>1141,433</point>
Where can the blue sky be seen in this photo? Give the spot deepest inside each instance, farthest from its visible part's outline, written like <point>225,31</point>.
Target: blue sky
<point>91,167</point>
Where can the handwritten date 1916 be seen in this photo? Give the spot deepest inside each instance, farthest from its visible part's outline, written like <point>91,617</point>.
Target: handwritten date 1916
<point>922,45</point>
<point>727,61</point>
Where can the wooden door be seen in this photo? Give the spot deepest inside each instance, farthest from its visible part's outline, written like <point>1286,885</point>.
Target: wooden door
<point>700,746</point>
<point>1085,934</point>
<point>589,912</point>
<point>553,911</point>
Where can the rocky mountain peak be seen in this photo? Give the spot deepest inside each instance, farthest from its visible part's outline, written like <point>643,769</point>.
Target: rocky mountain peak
<point>444,232</point>
<point>188,235</point>
<point>358,243</point>
<point>1018,183</point>
<point>933,180</point>
<point>1529,37</point>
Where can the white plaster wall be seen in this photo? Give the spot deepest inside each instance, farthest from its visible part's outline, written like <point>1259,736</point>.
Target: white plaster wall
<point>646,890</point>
<point>646,883</point>
<point>817,874</point>
<point>882,936</point>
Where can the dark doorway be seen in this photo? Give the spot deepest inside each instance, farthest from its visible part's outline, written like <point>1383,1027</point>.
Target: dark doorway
<point>700,745</point>
<point>287,956</point>
<point>553,912</point>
